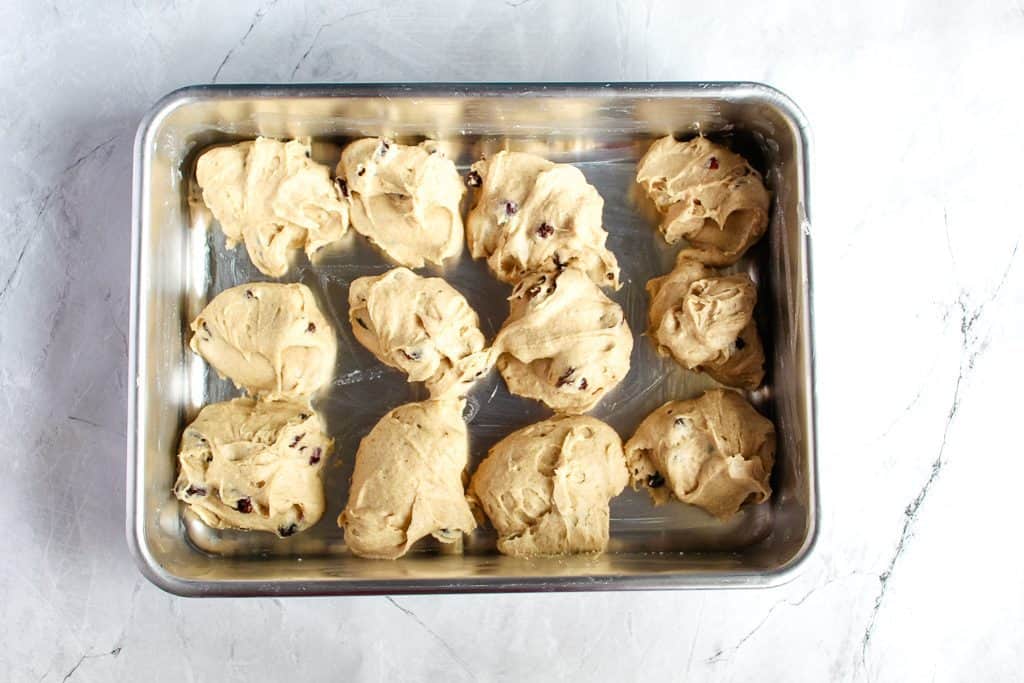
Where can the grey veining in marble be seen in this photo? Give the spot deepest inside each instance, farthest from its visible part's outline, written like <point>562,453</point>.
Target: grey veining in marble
<point>920,332</point>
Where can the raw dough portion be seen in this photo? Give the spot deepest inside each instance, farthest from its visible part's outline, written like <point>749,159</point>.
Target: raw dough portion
<point>705,321</point>
<point>422,326</point>
<point>546,487</point>
<point>715,452</point>
<point>269,339</point>
<point>272,196</point>
<point>707,194</point>
<point>565,343</point>
<point>255,465</point>
<point>405,199</point>
<point>408,481</point>
<point>533,215</point>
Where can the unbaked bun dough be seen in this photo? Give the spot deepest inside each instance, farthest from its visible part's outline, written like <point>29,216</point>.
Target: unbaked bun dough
<point>269,339</point>
<point>405,199</point>
<point>715,452</point>
<point>422,326</point>
<point>546,487</point>
<point>707,194</point>
<point>532,215</point>
<point>248,464</point>
<point>408,481</point>
<point>271,196</point>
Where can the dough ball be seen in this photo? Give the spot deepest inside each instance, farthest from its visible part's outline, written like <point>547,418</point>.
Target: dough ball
<point>405,199</point>
<point>532,215</point>
<point>269,339</point>
<point>565,343</point>
<point>271,196</point>
<point>546,487</point>
<point>408,481</point>
<point>705,321</point>
<point>254,465</point>
<point>707,194</point>
<point>715,452</point>
<point>421,326</point>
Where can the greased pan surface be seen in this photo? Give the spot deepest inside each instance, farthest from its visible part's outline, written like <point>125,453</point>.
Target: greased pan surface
<point>179,262</point>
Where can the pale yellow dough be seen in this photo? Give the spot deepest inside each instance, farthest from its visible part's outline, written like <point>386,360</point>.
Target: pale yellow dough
<point>271,196</point>
<point>255,465</point>
<point>546,487</point>
<point>707,194</point>
<point>269,339</point>
<point>405,199</point>
<point>715,452</point>
<point>564,343</point>
<point>532,215</point>
<point>422,326</point>
<point>408,481</point>
<point>705,321</point>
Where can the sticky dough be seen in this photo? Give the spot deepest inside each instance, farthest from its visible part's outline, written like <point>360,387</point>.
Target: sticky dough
<point>408,481</point>
<point>708,195</point>
<point>255,465</point>
<point>546,487</point>
<point>565,343</point>
<point>269,339</point>
<point>715,452</point>
<point>421,326</point>
<point>271,196</point>
<point>705,321</point>
<point>532,215</point>
<point>405,199</point>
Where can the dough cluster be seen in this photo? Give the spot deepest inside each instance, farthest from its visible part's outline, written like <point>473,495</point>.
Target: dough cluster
<point>408,481</point>
<point>565,343</point>
<point>715,452</point>
<point>405,199</point>
<point>421,326</point>
<point>535,216</point>
<point>254,465</point>
<point>269,339</point>
<point>705,321</point>
<point>546,487</point>
<point>707,194</point>
<point>271,196</point>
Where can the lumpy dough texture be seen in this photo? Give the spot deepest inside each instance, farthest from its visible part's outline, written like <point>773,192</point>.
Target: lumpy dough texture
<point>269,339</point>
<point>254,465</point>
<point>533,215</point>
<point>705,321</point>
<point>565,343</point>
<point>715,452</point>
<point>271,196</point>
<point>408,481</point>
<point>422,326</point>
<point>707,194</point>
<point>546,488</point>
<point>405,199</point>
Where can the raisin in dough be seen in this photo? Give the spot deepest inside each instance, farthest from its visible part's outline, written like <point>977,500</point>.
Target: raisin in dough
<point>405,199</point>
<point>707,194</point>
<point>421,326</point>
<point>705,321</point>
<point>255,465</point>
<point>546,487</point>
<point>565,343</point>
<point>271,196</point>
<point>532,215</point>
<point>715,452</point>
<point>408,481</point>
<point>269,339</point>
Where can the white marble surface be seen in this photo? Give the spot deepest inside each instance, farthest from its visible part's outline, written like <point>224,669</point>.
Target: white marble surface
<point>915,110</point>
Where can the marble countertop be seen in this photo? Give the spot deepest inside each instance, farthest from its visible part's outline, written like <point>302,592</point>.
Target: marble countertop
<point>920,331</point>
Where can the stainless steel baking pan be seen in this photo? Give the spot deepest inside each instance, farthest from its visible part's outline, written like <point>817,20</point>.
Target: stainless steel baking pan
<point>179,262</point>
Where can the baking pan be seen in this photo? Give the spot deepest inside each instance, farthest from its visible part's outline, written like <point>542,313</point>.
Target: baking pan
<point>179,262</point>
